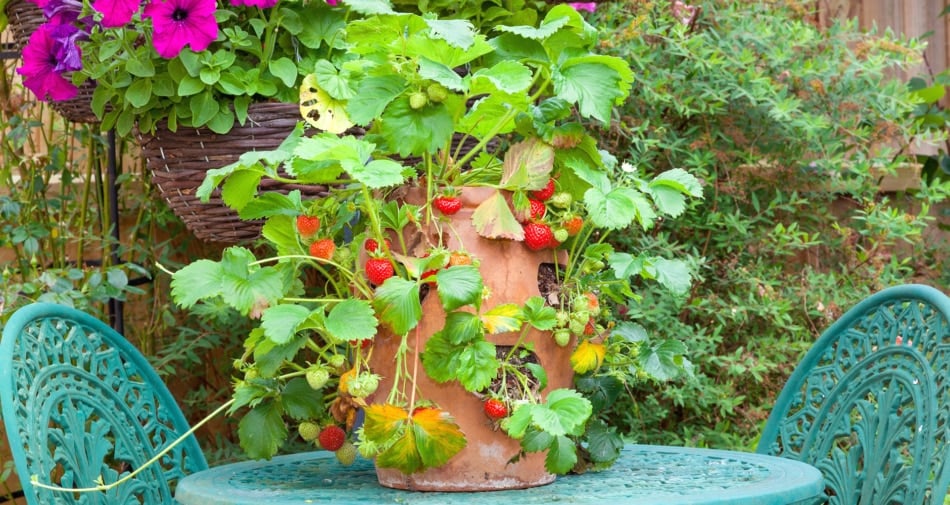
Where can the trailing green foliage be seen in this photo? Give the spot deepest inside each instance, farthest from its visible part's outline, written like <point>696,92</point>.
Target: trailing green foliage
<point>790,138</point>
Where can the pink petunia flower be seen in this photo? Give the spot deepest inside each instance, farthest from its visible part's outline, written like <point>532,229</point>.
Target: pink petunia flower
<point>180,23</point>
<point>40,58</point>
<point>584,6</point>
<point>263,4</point>
<point>116,12</point>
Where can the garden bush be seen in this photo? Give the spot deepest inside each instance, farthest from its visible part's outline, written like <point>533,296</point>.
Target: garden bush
<point>791,127</point>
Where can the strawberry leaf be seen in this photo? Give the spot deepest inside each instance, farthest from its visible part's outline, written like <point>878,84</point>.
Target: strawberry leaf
<point>562,455</point>
<point>665,360</point>
<point>595,83</point>
<point>564,412</point>
<point>618,208</point>
<point>280,322</point>
<point>603,442</point>
<point>397,304</point>
<point>416,131</point>
<point>352,319</point>
<point>493,219</point>
<point>262,430</point>
<point>437,436</point>
<point>473,363</point>
<point>301,401</point>
<point>373,95</point>
<point>459,286</point>
<point>428,439</point>
<point>672,274</point>
<point>539,315</point>
<point>506,76</point>
<point>376,174</point>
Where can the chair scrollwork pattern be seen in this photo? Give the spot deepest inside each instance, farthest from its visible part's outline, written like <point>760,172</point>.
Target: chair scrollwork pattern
<point>83,407</point>
<point>869,403</point>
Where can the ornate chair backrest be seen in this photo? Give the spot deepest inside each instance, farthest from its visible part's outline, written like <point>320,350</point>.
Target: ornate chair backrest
<point>869,403</point>
<point>83,407</point>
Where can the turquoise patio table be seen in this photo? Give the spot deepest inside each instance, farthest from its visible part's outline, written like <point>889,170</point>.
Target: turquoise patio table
<point>644,475</point>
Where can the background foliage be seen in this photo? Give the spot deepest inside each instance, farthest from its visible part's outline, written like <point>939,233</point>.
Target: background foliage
<point>791,139</point>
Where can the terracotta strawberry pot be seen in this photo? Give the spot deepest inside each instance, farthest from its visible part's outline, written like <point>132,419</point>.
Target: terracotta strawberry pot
<point>510,271</point>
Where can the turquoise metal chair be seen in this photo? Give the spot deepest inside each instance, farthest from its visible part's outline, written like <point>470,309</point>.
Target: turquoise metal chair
<point>869,404</point>
<point>83,407</point>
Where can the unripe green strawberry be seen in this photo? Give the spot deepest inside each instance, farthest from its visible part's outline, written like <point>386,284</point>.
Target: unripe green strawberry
<point>562,200</point>
<point>560,235</point>
<point>346,454</point>
<point>437,92</point>
<point>418,100</point>
<point>363,385</point>
<point>337,360</point>
<point>308,431</point>
<point>563,318</point>
<point>562,337</point>
<point>317,377</point>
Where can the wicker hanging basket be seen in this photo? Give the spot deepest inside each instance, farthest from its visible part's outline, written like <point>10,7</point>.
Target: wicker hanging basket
<point>179,160</point>
<point>24,17</point>
<point>79,108</point>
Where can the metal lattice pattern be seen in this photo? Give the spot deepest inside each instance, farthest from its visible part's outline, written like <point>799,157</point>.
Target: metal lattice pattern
<point>82,406</point>
<point>869,403</point>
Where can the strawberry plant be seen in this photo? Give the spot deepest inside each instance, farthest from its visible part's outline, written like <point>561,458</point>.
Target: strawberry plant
<point>500,118</point>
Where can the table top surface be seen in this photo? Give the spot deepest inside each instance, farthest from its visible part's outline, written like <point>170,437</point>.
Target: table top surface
<point>644,475</point>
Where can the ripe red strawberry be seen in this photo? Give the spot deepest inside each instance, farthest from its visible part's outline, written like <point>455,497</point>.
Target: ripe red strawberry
<point>331,437</point>
<point>538,236</point>
<point>447,205</point>
<point>307,226</point>
<point>573,225</point>
<point>495,408</point>
<point>372,245</point>
<point>538,209</point>
<point>322,248</point>
<point>545,192</point>
<point>378,270</point>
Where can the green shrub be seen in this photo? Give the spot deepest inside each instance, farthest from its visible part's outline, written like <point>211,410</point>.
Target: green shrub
<point>790,126</point>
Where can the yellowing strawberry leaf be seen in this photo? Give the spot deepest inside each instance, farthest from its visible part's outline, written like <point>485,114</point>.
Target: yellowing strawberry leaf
<point>493,219</point>
<point>428,439</point>
<point>352,319</point>
<point>587,357</point>
<point>320,110</point>
<point>528,165</point>
<point>397,304</point>
<point>503,318</point>
<point>437,436</point>
<point>459,286</point>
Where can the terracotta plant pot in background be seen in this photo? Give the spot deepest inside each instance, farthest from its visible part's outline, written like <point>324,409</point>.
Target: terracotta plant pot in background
<point>510,272</point>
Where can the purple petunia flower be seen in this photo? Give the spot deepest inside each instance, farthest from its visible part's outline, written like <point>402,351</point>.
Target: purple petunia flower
<point>68,53</point>
<point>177,23</point>
<point>116,13</point>
<point>263,4</point>
<point>62,11</point>
<point>584,6</point>
<point>40,58</point>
